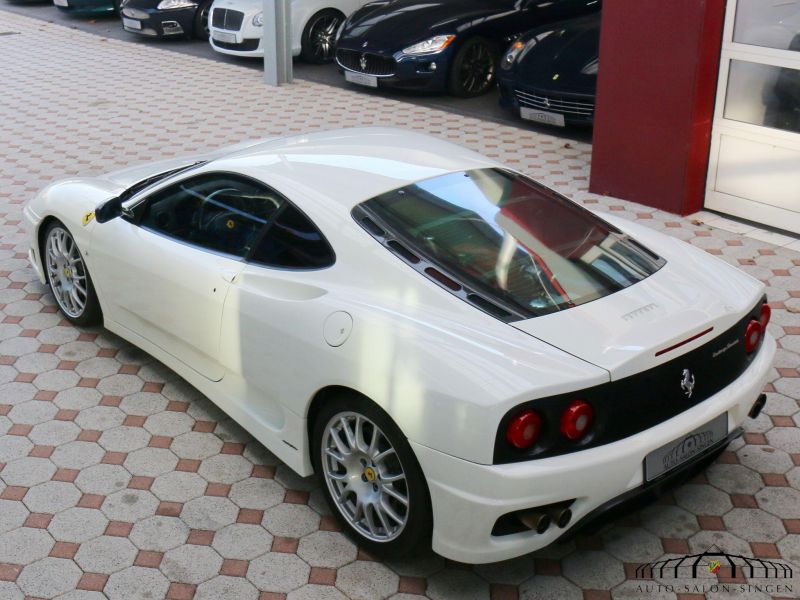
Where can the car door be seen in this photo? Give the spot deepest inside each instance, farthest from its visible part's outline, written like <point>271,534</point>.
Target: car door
<point>276,315</point>
<point>167,268</point>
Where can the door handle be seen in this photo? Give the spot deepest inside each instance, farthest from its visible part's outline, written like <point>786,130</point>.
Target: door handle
<point>229,276</point>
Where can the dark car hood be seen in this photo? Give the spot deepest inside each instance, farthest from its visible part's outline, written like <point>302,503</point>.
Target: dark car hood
<point>557,61</point>
<point>399,23</point>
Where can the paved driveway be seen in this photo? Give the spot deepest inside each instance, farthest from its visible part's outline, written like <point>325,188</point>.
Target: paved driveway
<point>119,480</point>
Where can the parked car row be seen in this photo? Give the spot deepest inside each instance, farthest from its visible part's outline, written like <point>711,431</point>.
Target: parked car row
<point>543,54</point>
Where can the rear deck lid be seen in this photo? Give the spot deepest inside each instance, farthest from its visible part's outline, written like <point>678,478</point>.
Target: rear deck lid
<point>664,316</point>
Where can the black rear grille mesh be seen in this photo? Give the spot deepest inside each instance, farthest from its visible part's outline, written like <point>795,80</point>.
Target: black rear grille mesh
<point>365,62</point>
<point>223,18</point>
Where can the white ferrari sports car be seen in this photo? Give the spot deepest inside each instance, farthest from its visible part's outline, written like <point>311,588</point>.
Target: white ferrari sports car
<point>236,27</point>
<point>463,356</point>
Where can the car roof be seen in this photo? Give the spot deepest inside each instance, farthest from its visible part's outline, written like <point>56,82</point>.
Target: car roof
<point>349,166</point>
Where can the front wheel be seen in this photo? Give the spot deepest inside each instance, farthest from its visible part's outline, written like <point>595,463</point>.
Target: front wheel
<point>69,278</point>
<point>474,68</point>
<point>370,476</point>
<point>318,43</point>
<point>201,31</point>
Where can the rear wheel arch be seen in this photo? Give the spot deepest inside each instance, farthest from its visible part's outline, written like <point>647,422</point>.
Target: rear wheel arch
<point>333,400</point>
<point>319,399</point>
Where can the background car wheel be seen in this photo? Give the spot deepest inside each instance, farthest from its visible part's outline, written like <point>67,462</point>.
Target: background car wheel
<point>118,7</point>
<point>370,476</point>
<point>68,277</point>
<point>318,43</point>
<point>201,31</point>
<point>474,68</point>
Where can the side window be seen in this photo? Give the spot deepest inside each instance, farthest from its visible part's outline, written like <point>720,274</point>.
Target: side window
<point>293,242</point>
<point>216,211</point>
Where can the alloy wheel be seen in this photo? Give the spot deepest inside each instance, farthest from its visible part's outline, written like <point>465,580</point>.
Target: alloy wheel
<point>322,35</point>
<point>67,272</point>
<point>477,69</point>
<point>365,476</point>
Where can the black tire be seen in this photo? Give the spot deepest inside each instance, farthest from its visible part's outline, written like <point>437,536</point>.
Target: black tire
<point>91,313</point>
<point>474,68</point>
<point>318,43</point>
<point>200,28</point>
<point>419,520</point>
<point>118,7</point>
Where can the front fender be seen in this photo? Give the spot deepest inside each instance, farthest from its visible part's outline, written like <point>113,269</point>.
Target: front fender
<point>72,202</point>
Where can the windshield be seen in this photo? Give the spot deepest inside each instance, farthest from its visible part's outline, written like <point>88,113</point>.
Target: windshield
<point>152,180</point>
<point>511,240</point>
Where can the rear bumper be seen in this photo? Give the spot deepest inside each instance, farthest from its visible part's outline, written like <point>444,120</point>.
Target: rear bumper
<point>469,498</point>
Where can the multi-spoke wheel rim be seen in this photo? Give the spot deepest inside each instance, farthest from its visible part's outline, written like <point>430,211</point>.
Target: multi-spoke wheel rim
<point>365,476</point>
<point>67,272</point>
<point>477,69</point>
<point>322,37</point>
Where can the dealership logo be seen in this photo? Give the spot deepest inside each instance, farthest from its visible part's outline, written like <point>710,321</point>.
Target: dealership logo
<point>687,383</point>
<point>773,576</point>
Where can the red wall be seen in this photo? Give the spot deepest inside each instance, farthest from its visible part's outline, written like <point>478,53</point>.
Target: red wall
<point>656,85</point>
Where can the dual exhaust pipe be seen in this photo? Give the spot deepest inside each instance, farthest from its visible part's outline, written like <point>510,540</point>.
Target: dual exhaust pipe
<point>540,519</point>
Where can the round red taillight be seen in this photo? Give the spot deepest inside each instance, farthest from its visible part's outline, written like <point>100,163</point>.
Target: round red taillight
<point>752,336</point>
<point>524,430</point>
<point>576,420</point>
<point>766,314</point>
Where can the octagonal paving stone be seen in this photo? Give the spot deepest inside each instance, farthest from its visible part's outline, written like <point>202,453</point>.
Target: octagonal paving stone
<point>106,554</point>
<point>49,577</point>
<point>191,564</point>
<point>137,583</point>
<point>278,572</point>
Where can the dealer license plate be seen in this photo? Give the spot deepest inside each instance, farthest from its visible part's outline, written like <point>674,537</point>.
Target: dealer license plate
<point>361,79</point>
<point>221,36</point>
<point>61,2</point>
<point>684,448</point>
<point>131,23</point>
<point>541,116</point>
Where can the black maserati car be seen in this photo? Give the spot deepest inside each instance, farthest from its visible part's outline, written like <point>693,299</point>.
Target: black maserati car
<point>166,18</point>
<point>440,45</point>
<point>549,75</point>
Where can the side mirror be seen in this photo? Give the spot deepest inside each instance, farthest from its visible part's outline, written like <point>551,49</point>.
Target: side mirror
<point>110,209</point>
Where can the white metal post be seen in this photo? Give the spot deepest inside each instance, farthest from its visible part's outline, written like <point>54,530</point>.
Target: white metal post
<point>277,41</point>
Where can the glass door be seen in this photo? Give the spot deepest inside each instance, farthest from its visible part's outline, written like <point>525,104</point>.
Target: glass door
<point>754,167</point>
